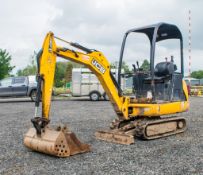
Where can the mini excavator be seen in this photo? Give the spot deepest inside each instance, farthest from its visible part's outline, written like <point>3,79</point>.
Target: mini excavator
<point>150,113</point>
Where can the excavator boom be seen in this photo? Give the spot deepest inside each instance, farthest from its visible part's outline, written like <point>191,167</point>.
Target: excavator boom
<point>61,142</point>
<point>94,60</point>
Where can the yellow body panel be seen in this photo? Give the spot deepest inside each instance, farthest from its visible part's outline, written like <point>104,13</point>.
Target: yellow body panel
<point>47,71</point>
<point>100,66</point>
<point>158,109</point>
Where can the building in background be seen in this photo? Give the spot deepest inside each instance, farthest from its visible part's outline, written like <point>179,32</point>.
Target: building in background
<point>192,81</point>
<point>201,82</point>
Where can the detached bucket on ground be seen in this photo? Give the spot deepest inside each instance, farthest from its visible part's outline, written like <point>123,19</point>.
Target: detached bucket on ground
<point>60,143</point>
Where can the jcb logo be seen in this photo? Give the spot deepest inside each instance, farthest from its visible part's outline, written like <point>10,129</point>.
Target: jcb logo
<point>98,66</point>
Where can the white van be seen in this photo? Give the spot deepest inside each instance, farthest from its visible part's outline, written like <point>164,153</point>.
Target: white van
<point>85,83</point>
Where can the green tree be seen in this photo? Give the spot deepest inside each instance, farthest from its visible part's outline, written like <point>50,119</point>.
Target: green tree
<point>197,74</point>
<point>125,67</point>
<point>5,66</point>
<point>68,73</point>
<point>145,65</point>
<point>31,68</point>
<point>114,65</point>
<point>63,73</point>
<point>60,74</point>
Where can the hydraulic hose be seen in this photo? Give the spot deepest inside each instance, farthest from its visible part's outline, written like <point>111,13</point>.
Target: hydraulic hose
<point>39,79</point>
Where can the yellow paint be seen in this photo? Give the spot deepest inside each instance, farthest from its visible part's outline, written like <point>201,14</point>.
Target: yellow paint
<point>47,70</point>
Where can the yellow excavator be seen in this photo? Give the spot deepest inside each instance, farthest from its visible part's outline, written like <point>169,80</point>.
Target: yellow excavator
<point>159,92</point>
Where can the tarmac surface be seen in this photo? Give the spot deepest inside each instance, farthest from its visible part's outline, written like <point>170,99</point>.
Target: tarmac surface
<point>179,154</point>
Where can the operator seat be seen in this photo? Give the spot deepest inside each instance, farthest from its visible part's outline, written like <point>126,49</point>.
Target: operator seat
<point>165,69</point>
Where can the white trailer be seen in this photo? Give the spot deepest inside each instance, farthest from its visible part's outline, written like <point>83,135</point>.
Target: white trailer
<point>85,83</point>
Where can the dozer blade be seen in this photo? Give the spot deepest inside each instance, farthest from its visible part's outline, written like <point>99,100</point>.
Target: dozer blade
<point>53,142</point>
<point>115,137</point>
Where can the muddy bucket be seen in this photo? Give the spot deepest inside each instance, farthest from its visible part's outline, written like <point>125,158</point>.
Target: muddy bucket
<point>60,143</point>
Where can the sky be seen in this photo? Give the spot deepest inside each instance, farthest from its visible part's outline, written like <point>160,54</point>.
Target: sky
<point>97,24</point>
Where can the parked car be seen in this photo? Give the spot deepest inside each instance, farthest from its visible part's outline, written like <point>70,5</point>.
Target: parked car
<point>19,87</point>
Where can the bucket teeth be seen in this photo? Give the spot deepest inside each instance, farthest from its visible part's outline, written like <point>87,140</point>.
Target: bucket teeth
<point>58,143</point>
<point>75,145</point>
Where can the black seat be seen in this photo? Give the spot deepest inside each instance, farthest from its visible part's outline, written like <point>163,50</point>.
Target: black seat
<point>164,69</point>
<point>162,72</point>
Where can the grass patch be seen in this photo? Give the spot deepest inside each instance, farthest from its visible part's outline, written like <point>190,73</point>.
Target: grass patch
<point>61,90</point>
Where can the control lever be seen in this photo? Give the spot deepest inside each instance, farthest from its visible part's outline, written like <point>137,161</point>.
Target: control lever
<point>134,68</point>
<point>138,65</point>
<point>172,59</point>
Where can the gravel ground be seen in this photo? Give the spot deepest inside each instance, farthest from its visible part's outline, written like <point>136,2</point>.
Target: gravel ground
<point>180,154</point>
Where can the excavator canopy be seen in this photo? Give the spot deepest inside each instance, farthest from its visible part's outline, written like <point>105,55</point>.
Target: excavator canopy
<point>155,33</point>
<point>162,31</point>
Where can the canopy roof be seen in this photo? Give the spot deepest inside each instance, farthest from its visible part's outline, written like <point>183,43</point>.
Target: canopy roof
<point>164,31</point>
